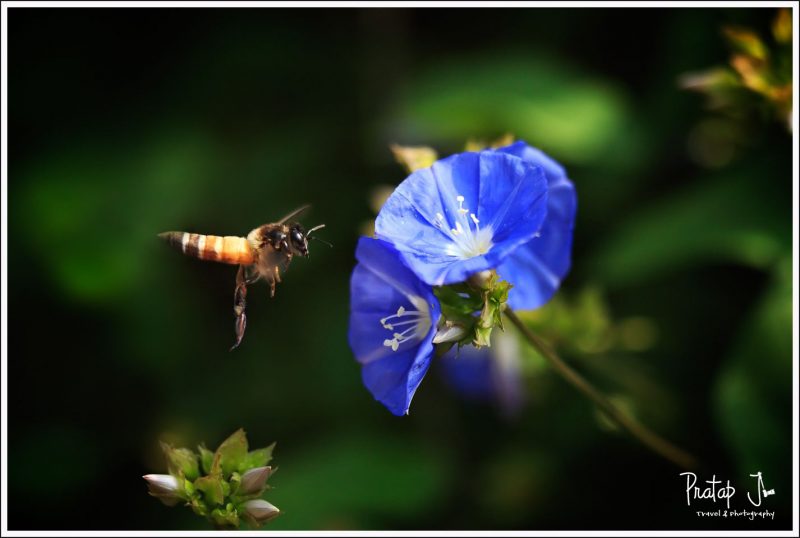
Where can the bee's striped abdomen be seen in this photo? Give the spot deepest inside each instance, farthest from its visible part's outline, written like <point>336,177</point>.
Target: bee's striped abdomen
<point>228,249</point>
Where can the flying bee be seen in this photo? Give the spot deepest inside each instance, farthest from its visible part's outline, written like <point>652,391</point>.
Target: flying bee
<point>265,253</point>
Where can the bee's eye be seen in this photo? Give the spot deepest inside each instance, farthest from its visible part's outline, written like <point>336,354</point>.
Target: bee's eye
<point>275,237</point>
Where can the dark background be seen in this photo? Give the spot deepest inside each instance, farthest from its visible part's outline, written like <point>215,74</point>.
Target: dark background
<point>127,122</point>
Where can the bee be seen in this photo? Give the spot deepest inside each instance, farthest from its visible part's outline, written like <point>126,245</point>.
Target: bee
<point>265,253</point>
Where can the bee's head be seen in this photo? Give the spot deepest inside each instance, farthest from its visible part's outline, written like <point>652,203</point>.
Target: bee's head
<point>298,238</point>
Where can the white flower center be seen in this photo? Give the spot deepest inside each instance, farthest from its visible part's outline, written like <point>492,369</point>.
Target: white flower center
<point>407,325</point>
<point>467,237</point>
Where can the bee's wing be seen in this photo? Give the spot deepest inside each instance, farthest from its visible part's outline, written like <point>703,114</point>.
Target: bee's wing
<point>294,213</point>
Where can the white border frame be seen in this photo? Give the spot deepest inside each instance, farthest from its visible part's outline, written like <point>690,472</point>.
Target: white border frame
<point>311,4</point>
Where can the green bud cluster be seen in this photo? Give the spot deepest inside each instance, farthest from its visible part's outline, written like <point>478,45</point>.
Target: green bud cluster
<point>474,307</point>
<point>223,486</point>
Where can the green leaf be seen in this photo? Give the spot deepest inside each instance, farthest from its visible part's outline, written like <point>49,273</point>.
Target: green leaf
<point>552,106</point>
<point>746,41</point>
<point>257,458</point>
<point>396,478</point>
<point>752,395</point>
<point>232,452</point>
<point>181,461</point>
<point>733,218</point>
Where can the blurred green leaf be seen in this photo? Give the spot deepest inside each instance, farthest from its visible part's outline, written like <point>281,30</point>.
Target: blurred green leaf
<point>356,477</point>
<point>752,396</point>
<point>731,218</point>
<point>89,215</point>
<point>746,41</point>
<point>564,112</point>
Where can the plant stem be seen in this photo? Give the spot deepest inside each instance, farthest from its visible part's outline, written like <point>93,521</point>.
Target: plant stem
<point>647,437</point>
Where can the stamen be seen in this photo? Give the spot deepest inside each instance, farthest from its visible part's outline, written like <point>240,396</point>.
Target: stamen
<point>418,321</point>
<point>461,209</point>
<point>468,239</point>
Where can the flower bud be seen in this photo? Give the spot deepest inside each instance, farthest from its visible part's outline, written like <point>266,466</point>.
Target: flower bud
<point>450,332</point>
<point>164,487</point>
<point>258,511</point>
<point>254,480</point>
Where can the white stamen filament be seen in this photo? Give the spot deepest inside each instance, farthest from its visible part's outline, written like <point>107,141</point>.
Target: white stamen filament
<point>468,239</point>
<point>419,319</point>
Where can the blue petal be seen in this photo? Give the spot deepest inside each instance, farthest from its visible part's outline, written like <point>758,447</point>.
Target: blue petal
<point>468,371</point>
<point>537,268</point>
<point>506,194</point>
<point>490,373</point>
<point>380,284</point>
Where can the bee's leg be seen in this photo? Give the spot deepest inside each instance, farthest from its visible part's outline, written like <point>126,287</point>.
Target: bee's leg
<point>239,304</point>
<point>251,274</point>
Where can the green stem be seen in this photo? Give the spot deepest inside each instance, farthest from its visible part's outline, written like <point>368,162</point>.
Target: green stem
<point>650,439</point>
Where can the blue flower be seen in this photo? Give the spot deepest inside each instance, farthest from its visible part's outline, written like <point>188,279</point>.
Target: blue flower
<point>537,268</point>
<point>489,373</point>
<point>393,319</point>
<point>466,213</point>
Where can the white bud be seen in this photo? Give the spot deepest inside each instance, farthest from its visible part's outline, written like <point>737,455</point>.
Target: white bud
<point>481,279</point>
<point>253,481</point>
<point>165,487</point>
<point>259,511</point>
<point>450,332</point>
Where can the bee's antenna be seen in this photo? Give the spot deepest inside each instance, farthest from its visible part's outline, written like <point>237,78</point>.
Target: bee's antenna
<point>322,241</point>
<point>314,229</point>
<point>294,213</point>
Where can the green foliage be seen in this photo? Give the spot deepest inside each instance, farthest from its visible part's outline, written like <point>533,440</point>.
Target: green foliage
<point>752,395</point>
<point>544,102</point>
<point>726,218</point>
<point>757,68</point>
<point>402,477</point>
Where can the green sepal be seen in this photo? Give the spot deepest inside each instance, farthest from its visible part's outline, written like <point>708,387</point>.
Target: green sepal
<point>476,305</point>
<point>198,507</point>
<point>206,458</point>
<point>188,488</point>
<point>257,458</point>
<point>234,481</point>
<point>458,302</point>
<point>226,517</point>
<point>232,452</point>
<point>212,488</point>
<point>180,461</point>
